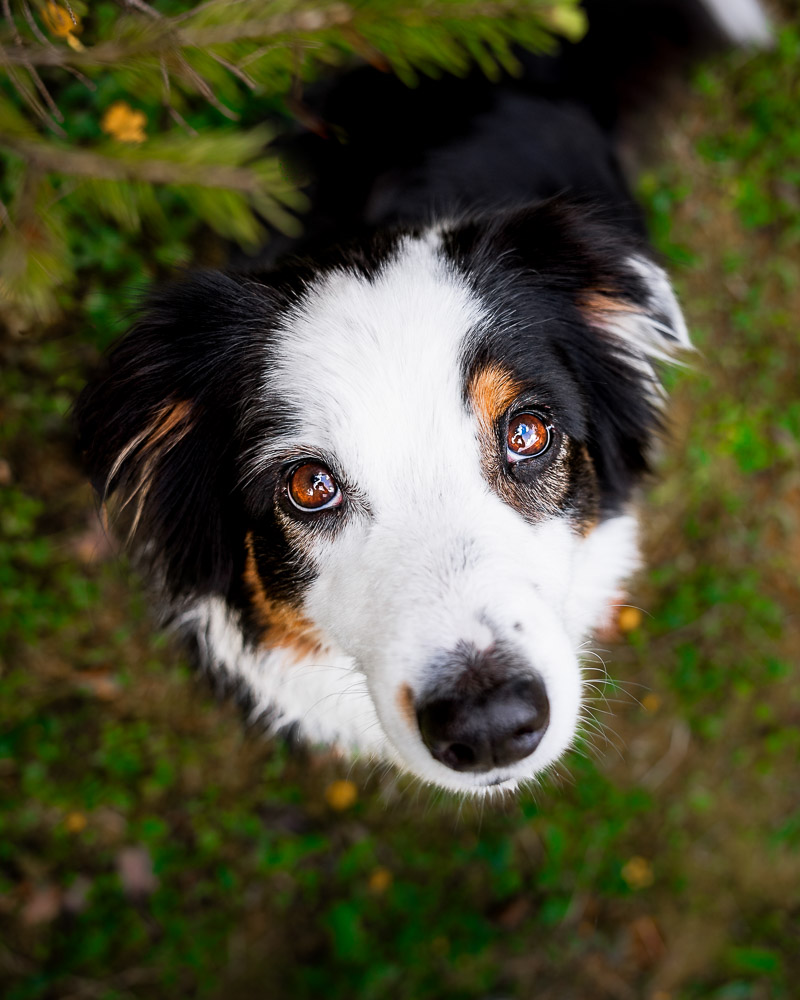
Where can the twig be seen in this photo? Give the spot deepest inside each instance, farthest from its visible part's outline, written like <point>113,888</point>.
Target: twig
<point>86,164</point>
<point>237,72</point>
<point>30,99</point>
<point>259,52</point>
<point>177,117</point>
<point>26,10</point>
<point>205,89</point>
<point>89,84</point>
<point>37,80</point>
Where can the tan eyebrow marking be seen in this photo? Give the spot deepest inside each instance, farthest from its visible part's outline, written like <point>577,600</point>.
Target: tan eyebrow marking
<point>492,389</point>
<point>282,624</point>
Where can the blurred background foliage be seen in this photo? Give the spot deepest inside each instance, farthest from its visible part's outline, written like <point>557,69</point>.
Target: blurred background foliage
<point>150,844</point>
<point>132,114</point>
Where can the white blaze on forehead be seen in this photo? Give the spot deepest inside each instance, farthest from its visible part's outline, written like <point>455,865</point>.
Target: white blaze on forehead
<point>372,368</point>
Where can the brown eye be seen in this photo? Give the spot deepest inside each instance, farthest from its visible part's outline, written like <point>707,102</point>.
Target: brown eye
<point>528,436</point>
<point>311,486</point>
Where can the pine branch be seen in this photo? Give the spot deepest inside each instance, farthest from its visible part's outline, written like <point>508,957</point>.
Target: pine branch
<point>79,162</point>
<point>163,37</point>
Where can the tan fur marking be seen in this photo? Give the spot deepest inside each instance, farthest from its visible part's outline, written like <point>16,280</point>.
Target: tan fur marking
<point>598,305</point>
<point>587,524</point>
<point>492,390</point>
<point>170,425</point>
<point>405,702</point>
<point>283,625</point>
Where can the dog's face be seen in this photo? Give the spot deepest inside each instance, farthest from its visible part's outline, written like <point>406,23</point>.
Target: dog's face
<point>408,467</point>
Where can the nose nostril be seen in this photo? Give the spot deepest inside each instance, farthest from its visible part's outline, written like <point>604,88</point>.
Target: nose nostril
<point>458,756</point>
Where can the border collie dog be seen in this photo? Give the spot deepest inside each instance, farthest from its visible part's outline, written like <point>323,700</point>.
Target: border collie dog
<point>384,480</point>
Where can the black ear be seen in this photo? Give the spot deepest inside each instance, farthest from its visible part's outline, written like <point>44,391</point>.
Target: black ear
<point>159,427</point>
<point>601,265</point>
<point>563,274</point>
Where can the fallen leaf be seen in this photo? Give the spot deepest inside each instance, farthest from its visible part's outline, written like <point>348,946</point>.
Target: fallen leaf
<point>648,939</point>
<point>99,683</point>
<point>43,906</point>
<point>135,869</point>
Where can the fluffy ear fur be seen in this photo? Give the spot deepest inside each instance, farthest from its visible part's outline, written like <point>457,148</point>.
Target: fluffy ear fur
<point>158,427</point>
<point>648,323</point>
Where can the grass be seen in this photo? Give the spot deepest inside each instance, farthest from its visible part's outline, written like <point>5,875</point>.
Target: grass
<point>151,846</point>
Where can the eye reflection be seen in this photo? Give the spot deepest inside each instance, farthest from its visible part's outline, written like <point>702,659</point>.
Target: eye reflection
<point>528,436</point>
<point>312,486</point>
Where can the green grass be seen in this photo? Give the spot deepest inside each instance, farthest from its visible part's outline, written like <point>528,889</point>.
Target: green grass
<point>667,869</point>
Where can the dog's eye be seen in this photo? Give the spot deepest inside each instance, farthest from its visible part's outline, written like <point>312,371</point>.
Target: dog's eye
<point>528,436</point>
<point>311,486</point>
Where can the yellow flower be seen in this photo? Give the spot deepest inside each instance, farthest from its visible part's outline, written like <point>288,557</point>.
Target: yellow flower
<point>651,702</point>
<point>638,872</point>
<point>340,795</point>
<point>58,21</point>
<point>629,619</point>
<point>380,880</point>
<point>124,123</point>
<point>75,822</point>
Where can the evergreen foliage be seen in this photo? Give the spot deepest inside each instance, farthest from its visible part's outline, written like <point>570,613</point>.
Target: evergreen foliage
<point>140,114</point>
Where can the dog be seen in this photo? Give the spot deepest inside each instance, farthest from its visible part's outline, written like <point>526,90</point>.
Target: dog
<point>385,480</point>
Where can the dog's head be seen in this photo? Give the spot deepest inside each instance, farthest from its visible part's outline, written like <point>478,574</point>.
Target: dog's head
<point>410,463</point>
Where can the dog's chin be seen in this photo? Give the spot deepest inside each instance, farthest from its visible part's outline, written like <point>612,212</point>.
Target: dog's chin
<point>410,756</point>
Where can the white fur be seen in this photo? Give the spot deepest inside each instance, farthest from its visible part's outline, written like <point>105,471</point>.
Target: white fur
<point>325,696</point>
<point>743,21</point>
<point>432,557</point>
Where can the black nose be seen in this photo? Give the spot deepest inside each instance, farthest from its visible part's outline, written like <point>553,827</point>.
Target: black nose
<point>486,729</point>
